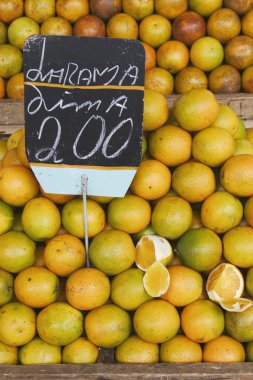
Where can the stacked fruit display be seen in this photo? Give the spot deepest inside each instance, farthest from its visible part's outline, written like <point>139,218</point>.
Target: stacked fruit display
<point>188,43</point>
<point>171,276</point>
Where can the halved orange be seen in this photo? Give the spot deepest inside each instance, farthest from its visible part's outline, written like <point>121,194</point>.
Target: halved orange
<point>236,305</point>
<point>156,280</point>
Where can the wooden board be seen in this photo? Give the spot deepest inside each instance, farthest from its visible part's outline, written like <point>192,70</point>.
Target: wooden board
<point>201,371</point>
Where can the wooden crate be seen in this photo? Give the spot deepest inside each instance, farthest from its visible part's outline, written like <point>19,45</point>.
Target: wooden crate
<point>12,112</point>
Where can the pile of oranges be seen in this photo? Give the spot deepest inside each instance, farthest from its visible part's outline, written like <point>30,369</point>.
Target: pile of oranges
<point>171,275</point>
<point>188,43</point>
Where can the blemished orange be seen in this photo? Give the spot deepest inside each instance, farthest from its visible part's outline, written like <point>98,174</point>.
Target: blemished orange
<point>239,52</point>
<point>152,180</point>
<point>189,78</point>
<point>180,349</point>
<point>72,217</point>
<point>172,56</point>
<point>171,8</point>
<point>196,109</point>
<point>248,211</point>
<point>193,181</point>
<point>156,321</point>
<point>8,354</point>
<point>238,246</point>
<point>41,219</point>
<point>137,350</point>
<point>20,29</point>
<point>238,325</point>
<point>36,287</point>
<point>236,175</point>
<point>72,10</point>
<point>11,158</point>
<point>15,87</point>
<point>22,153</point>
<point>17,324</point>
<point>122,211</point>
<point>223,24</point>
<point>64,254</point>
<point>138,9</point>
<point>122,25</point>
<point>221,211</point>
<point>202,321</point>
<point>247,24</point>
<point>11,61</point>
<point>205,9</point>
<point>206,53</point>
<point>155,30</point>
<point>56,26</point>
<point>227,119</point>
<point>81,351</point>
<point>223,349</point>
<point>107,326</point>
<point>150,56</point>
<point>224,79</point>
<point>170,145</point>
<point>112,251</point>
<point>160,80</point>
<point>87,289</point>
<point>10,10</point>
<point>39,11</point>
<point>17,185</point>
<point>186,286</point>
<point>38,351</point>
<point>156,110</point>
<point>2,88</point>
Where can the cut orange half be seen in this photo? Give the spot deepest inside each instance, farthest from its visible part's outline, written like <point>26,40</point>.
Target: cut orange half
<point>152,248</point>
<point>225,282</point>
<point>236,305</point>
<point>156,280</point>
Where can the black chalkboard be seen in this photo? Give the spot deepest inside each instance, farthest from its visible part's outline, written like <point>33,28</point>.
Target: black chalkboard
<point>83,100</point>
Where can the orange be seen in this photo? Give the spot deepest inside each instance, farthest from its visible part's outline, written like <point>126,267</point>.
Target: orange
<point>189,78</point>
<point>100,199</point>
<point>6,287</point>
<point>200,249</point>
<point>202,321</point>
<point>11,60</point>
<point>41,219</point>
<point>180,349</point>
<point>87,289</point>
<point>6,217</point>
<point>59,324</point>
<point>138,9</point>
<point>22,153</point>
<point>239,6</point>
<point>227,119</point>
<point>36,287</point>
<point>11,158</point>
<point>243,146</point>
<point>223,24</point>
<point>224,79</point>
<point>221,211</point>
<point>17,251</point>
<point>14,138</point>
<point>15,87</point>
<point>20,29</point>
<point>127,290</point>
<point>152,180</point>
<point>206,53</point>
<point>171,217</point>
<point>17,324</point>
<point>156,321</point>
<point>39,352</point>
<point>81,351</point>
<point>236,175</point>
<point>150,56</point>
<point>249,282</point>
<point>56,26</point>
<point>247,24</point>
<point>72,10</point>
<point>171,8</point>
<point>156,110</point>
<point>237,246</point>
<point>122,25</point>
<point>89,26</point>
<point>10,10</point>
<point>160,80</point>
<point>8,354</point>
<point>73,217</point>
<point>112,251</point>
<point>155,30</point>
<point>156,279</point>
<point>213,146</point>
<point>186,286</point>
<point>196,109</point>
<point>122,211</point>
<point>171,145</point>
<point>17,185</point>
<point>188,27</point>
<point>172,56</point>
<point>57,198</point>
<point>193,181</point>
<point>223,349</point>
<point>239,52</point>
<point>247,79</point>
<point>107,326</point>
<point>248,211</point>
<point>205,9</point>
<point>38,10</point>
<point>2,88</point>
<point>64,254</point>
<point>238,325</point>
<point>137,350</point>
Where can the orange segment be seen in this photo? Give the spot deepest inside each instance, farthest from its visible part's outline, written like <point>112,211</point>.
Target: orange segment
<point>156,280</point>
<point>236,305</point>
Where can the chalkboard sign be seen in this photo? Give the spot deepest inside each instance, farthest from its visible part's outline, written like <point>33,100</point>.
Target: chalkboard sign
<point>83,112</point>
